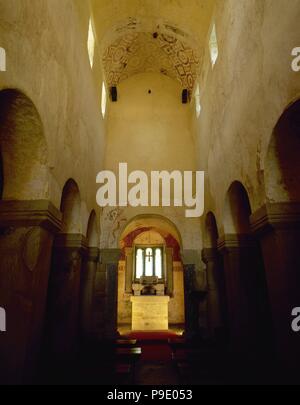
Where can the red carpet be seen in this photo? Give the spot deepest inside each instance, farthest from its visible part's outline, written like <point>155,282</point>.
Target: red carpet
<point>143,335</point>
<point>154,344</point>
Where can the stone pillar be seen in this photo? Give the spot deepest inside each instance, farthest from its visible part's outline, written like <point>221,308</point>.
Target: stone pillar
<point>191,302</point>
<point>129,270</point>
<point>87,292</point>
<point>62,332</point>
<point>238,252</point>
<point>169,271</point>
<point>98,313</point>
<point>110,259</point>
<point>27,231</point>
<point>211,258</point>
<point>278,228</point>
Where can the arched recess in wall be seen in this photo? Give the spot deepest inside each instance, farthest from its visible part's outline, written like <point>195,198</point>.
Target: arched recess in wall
<point>277,225</point>
<point>216,290</point>
<point>24,250</point>
<point>282,168</point>
<point>88,276</point>
<point>93,234</point>
<point>62,320</point>
<point>237,210</point>
<point>71,208</point>
<point>211,234</point>
<point>247,294</point>
<point>23,148</point>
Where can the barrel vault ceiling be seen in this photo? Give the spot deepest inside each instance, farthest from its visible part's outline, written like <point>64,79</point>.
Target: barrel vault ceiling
<point>161,36</point>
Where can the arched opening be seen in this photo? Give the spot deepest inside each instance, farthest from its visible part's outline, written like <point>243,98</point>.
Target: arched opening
<point>247,295</point>
<point>62,319</point>
<point>71,208</point>
<point>282,169</point>
<point>88,276</point>
<point>24,245</point>
<point>23,148</point>
<point>237,210</point>
<point>93,237</point>
<point>211,234</point>
<point>277,224</point>
<point>150,266</point>
<point>216,290</point>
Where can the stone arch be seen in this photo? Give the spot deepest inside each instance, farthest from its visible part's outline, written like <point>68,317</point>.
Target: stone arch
<point>92,235</point>
<point>216,289</point>
<point>174,275</point>
<point>23,148</point>
<point>282,167</point>
<point>88,277</point>
<point>211,234</point>
<point>237,210</point>
<point>247,294</point>
<point>71,208</point>
<point>162,224</point>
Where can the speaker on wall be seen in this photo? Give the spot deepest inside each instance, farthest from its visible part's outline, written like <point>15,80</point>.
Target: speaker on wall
<point>114,94</point>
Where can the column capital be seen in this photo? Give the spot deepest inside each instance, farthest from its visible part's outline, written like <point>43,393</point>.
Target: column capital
<point>275,216</point>
<point>30,213</point>
<point>93,254</point>
<point>235,241</point>
<point>71,240</point>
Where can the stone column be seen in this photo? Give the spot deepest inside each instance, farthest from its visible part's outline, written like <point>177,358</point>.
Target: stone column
<point>129,270</point>
<point>211,258</point>
<point>191,303</point>
<point>238,251</point>
<point>169,271</point>
<point>27,231</point>
<point>87,292</point>
<point>278,228</point>
<point>110,259</point>
<point>62,331</point>
<point>99,297</point>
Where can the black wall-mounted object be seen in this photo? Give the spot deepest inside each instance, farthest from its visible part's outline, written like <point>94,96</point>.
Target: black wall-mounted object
<point>114,94</point>
<point>185,96</point>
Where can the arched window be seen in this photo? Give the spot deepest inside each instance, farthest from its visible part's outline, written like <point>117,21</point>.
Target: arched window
<point>197,101</point>
<point>103,100</point>
<point>2,60</point>
<point>149,262</point>
<point>213,46</point>
<point>91,43</point>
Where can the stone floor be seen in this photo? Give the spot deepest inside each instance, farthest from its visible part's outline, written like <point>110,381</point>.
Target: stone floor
<point>156,373</point>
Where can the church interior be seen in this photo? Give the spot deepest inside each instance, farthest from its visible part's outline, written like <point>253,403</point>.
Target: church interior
<point>141,295</point>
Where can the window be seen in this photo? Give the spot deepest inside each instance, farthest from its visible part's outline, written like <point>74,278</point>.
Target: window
<point>91,43</point>
<point>103,100</point>
<point>213,46</point>
<point>197,101</point>
<point>2,60</point>
<point>149,262</point>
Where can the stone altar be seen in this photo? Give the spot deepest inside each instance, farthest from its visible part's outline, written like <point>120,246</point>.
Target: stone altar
<point>150,312</point>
